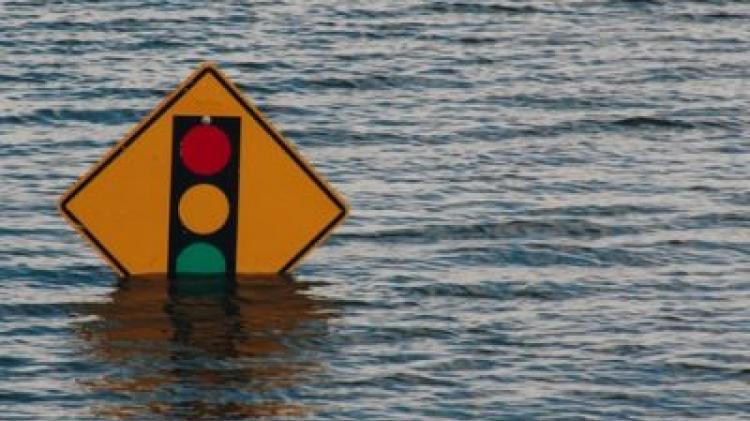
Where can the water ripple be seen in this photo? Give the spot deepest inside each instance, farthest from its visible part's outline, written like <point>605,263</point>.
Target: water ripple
<point>549,213</point>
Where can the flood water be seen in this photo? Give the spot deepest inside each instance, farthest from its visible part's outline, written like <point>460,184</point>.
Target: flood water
<point>550,213</point>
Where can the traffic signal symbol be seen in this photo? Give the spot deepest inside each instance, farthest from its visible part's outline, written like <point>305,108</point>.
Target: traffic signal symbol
<point>204,190</point>
<point>205,149</point>
<point>203,208</point>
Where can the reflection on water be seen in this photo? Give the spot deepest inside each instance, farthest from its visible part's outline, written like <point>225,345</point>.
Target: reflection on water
<point>205,348</point>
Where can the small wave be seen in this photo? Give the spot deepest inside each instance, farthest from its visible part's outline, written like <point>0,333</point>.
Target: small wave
<point>714,220</point>
<point>601,210</point>
<point>641,121</point>
<point>658,122</point>
<point>39,310</point>
<point>729,149</point>
<point>378,82</point>
<point>157,44</point>
<point>52,116</point>
<point>63,276</point>
<point>574,228</point>
<point>713,246</point>
<point>364,13</point>
<point>638,2</point>
<point>627,123</point>
<point>714,16</point>
<point>498,290</point>
<point>19,232</point>
<point>478,8</point>
<point>706,369</point>
<point>547,255</point>
<point>739,198</point>
<point>30,77</point>
<point>119,93</point>
<point>262,65</point>
<point>475,40</point>
<point>8,361</point>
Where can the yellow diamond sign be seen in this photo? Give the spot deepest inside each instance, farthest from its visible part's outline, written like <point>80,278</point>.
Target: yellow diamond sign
<point>203,186</point>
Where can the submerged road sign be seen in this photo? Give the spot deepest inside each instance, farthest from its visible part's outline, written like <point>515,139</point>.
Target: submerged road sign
<point>204,185</point>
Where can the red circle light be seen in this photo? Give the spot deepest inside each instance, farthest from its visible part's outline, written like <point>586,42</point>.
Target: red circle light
<point>205,149</point>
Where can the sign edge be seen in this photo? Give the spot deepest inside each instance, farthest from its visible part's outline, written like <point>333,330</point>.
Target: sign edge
<point>111,154</point>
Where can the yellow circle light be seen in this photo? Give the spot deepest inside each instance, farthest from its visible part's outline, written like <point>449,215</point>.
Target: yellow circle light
<point>203,209</point>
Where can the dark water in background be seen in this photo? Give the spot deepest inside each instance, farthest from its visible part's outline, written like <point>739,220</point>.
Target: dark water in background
<point>551,213</point>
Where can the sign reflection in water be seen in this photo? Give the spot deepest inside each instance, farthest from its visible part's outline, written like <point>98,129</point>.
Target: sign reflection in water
<point>202,348</point>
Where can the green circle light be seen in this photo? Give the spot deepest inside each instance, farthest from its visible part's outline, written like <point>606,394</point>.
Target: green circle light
<point>201,259</point>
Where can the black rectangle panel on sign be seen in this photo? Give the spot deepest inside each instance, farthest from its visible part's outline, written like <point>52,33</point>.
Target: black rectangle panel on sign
<point>184,178</point>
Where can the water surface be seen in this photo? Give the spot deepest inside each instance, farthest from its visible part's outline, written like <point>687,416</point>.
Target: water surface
<point>551,216</point>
